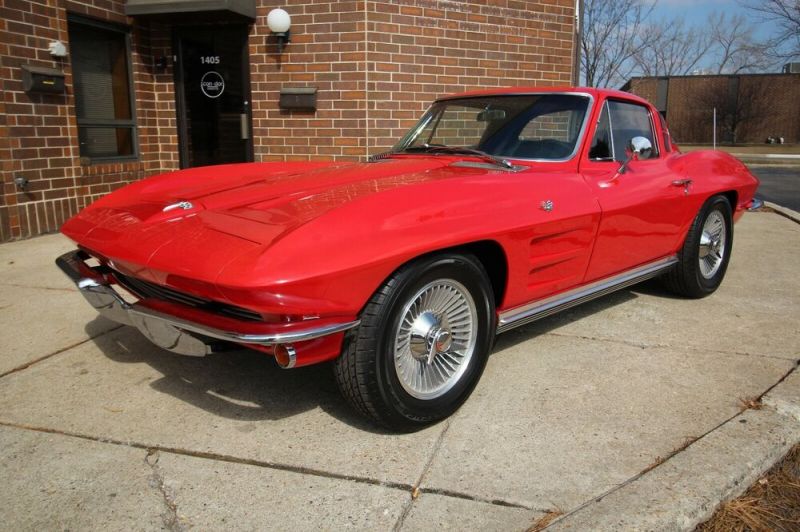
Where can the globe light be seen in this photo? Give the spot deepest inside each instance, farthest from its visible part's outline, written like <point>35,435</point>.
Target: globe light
<point>279,21</point>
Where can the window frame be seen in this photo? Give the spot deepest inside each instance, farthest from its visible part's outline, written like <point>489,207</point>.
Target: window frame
<point>132,123</point>
<point>658,151</point>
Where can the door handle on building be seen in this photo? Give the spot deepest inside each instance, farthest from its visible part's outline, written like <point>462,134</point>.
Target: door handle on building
<point>244,126</point>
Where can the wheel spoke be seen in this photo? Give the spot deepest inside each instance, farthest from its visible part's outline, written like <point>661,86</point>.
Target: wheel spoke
<point>712,244</point>
<point>442,318</point>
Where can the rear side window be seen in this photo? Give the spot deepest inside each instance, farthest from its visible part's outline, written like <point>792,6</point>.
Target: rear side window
<point>619,122</point>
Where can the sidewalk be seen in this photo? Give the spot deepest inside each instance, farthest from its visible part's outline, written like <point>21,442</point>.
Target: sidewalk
<point>622,413</point>
<point>766,154</point>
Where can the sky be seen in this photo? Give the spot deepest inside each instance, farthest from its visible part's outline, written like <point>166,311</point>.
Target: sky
<point>695,11</point>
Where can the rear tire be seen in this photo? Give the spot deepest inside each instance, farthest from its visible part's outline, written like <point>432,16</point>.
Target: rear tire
<point>422,344</point>
<point>703,259</point>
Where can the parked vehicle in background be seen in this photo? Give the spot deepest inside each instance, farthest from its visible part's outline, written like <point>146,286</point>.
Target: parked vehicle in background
<point>497,209</point>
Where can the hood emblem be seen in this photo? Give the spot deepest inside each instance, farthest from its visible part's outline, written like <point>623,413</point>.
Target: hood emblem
<point>546,205</point>
<point>185,205</point>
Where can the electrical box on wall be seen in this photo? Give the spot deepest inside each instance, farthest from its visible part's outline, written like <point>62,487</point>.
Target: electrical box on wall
<point>42,79</point>
<point>299,98</point>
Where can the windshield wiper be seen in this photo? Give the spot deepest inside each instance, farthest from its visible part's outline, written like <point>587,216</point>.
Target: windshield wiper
<point>466,151</point>
<point>436,148</point>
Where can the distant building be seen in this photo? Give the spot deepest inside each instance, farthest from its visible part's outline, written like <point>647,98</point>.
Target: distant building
<point>750,108</point>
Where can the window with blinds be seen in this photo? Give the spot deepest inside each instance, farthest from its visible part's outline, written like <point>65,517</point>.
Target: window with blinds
<point>102,85</point>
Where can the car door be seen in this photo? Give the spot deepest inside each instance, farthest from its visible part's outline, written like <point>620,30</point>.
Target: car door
<point>642,208</point>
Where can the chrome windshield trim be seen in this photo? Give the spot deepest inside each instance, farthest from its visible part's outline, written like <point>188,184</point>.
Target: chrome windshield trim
<point>542,308</point>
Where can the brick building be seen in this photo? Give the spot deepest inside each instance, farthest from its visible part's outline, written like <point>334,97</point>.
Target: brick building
<point>156,85</point>
<point>750,107</point>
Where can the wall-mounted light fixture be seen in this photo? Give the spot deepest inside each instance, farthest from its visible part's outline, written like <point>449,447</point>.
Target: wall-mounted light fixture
<point>21,182</point>
<point>279,23</point>
<point>57,49</point>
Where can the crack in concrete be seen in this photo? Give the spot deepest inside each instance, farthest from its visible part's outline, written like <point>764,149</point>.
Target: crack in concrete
<point>643,345</point>
<point>477,498</point>
<point>58,289</point>
<point>415,489</point>
<point>673,454</point>
<point>26,365</point>
<point>411,489</point>
<point>172,521</point>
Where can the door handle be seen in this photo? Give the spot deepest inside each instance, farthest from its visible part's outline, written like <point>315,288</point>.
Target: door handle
<point>682,183</point>
<point>244,126</point>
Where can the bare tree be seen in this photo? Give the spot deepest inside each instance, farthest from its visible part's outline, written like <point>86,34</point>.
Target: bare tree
<point>784,43</point>
<point>610,37</point>
<point>671,48</point>
<point>733,49</point>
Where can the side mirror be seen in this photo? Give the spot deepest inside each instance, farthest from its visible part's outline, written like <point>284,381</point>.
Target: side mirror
<point>639,148</point>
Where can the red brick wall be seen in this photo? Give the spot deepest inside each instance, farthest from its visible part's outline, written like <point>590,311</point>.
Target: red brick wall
<point>766,107</point>
<point>420,49</point>
<point>38,133</point>
<point>377,65</point>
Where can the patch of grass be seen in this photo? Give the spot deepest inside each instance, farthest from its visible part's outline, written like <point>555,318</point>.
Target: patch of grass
<point>772,503</point>
<point>544,521</point>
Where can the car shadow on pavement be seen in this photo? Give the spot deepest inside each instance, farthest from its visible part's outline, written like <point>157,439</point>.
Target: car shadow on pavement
<point>551,323</point>
<point>247,385</point>
<point>238,384</point>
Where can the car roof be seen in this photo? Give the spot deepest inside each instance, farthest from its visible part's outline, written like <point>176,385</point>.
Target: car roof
<point>507,91</point>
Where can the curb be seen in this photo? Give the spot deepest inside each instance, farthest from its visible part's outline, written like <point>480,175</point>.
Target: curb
<point>685,490</point>
<point>768,156</point>
<point>784,211</point>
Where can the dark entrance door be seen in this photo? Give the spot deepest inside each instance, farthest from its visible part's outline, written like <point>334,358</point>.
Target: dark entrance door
<point>213,86</point>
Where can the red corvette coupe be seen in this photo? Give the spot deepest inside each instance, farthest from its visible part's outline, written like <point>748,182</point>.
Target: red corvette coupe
<point>498,208</point>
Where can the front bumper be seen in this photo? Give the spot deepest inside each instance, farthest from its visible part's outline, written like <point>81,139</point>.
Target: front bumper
<point>174,333</point>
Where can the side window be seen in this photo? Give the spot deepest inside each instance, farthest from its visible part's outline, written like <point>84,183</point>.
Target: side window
<point>602,149</point>
<point>629,120</point>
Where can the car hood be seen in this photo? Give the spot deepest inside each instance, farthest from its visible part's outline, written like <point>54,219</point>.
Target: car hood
<point>194,222</point>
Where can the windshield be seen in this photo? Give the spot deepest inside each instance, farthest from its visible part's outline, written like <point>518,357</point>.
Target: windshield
<point>532,126</point>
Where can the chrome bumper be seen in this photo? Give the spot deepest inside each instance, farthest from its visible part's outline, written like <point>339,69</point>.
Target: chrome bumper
<point>167,331</point>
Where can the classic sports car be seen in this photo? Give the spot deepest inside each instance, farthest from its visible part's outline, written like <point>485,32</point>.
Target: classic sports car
<point>498,208</point>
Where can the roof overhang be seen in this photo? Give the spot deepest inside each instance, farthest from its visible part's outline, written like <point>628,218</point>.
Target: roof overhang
<point>240,9</point>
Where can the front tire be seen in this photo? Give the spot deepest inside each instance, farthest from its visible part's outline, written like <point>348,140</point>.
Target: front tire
<point>422,344</point>
<point>703,259</point>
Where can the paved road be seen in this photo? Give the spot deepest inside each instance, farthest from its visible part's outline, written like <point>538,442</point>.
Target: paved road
<point>779,184</point>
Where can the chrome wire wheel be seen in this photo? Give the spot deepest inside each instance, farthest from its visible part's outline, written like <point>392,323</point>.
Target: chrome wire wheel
<point>712,244</point>
<point>435,338</point>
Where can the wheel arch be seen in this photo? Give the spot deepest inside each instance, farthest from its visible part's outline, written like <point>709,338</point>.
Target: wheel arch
<point>494,260</point>
<point>489,253</point>
<point>732,196</point>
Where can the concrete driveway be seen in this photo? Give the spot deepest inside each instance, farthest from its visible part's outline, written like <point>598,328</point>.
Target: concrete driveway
<point>623,413</point>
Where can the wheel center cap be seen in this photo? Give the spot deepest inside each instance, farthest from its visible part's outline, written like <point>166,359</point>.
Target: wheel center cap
<point>429,337</point>
<point>442,340</point>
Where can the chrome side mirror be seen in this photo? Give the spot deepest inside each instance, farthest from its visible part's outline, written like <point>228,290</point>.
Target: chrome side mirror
<point>639,148</point>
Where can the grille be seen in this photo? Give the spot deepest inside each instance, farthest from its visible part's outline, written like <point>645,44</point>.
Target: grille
<point>145,289</point>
